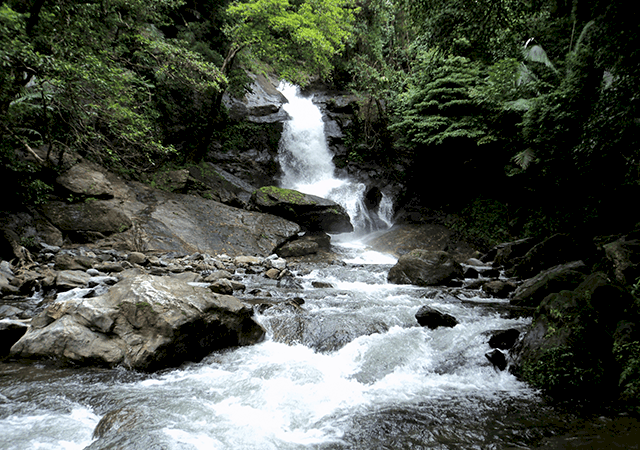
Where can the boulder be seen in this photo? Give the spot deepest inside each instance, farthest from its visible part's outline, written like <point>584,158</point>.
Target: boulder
<point>499,288</point>
<point>432,318</point>
<point>401,239</point>
<point>217,184</point>
<point>568,350</point>
<point>553,251</point>
<point>262,103</point>
<point>497,358</point>
<point>425,268</point>
<point>86,180</point>
<point>96,216</point>
<point>309,211</point>
<point>504,339</point>
<point>558,278</point>
<point>10,332</point>
<point>502,254</point>
<point>143,322</point>
<point>623,257</point>
<point>186,223</point>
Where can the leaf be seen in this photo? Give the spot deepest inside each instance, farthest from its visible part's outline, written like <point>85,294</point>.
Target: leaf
<point>536,53</point>
<point>524,158</point>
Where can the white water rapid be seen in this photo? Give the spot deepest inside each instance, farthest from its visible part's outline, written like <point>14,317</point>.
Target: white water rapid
<point>307,164</point>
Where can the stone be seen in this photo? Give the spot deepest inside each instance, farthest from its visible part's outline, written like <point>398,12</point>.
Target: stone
<point>321,285</point>
<point>504,339</point>
<point>555,250</point>
<point>86,179</point>
<point>572,332</point>
<point>137,258</point>
<point>432,318</point>
<point>299,247</point>
<point>623,255</point>
<point>498,288</point>
<point>311,212</point>
<point>69,279</point>
<point>10,332</point>
<point>222,286</point>
<point>274,274</point>
<point>65,261</point>
<point>425,268</point>
<point>101,216</point>
<point>497,358</point>
<point>558,278</point>
<point>217,275</point>
<point>144,323</point>
<point>248,260</point>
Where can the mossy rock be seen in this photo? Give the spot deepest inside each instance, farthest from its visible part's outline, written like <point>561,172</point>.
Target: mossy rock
<point>311,212</point>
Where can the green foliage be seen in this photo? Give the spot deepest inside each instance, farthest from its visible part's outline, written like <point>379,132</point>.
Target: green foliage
<point>296,39</point>
<point>627,355</point>
<point>439,106</point>
<point>563,372</point>
<point>485,222</point>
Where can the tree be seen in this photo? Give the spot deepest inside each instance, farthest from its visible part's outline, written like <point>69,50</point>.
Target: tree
<point>296,39</point>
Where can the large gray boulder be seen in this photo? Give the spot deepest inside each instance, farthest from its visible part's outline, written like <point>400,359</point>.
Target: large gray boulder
<point>425,268</point>
<point>311,212</point>
<point>144,322</point>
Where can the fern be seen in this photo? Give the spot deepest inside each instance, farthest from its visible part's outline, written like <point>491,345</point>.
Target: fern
<point>524,158</point>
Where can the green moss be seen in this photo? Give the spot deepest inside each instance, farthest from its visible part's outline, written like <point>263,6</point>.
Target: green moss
<point>275,195</point>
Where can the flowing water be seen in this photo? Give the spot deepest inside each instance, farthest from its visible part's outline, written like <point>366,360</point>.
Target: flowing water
<point>349,369</point>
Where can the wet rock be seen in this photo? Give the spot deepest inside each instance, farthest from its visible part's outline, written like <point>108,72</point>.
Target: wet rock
<point>497,358</point>
<point>321,285</point>
<point>137,258</point>
<point>10,332</point>
<point>69,279</point>
<point>425,268</point>
<point>66,261</point>
<point>222,286</point>
<point>309,211</point>
<point>498,288</point>
<point>432,318</point>
<point>143,322</point>
<point>572,333</point>
<point>504,339</point>
<point>274,274</point>
<point>558,278</point>
<point>299,247</point>
<point>556,250</point>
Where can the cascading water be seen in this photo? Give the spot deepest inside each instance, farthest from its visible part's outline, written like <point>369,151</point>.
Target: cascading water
<point>307,164</point>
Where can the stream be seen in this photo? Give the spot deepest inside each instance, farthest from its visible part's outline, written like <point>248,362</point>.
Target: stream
<point>349,368</point>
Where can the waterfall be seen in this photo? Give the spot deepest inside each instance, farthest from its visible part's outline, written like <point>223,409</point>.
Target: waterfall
<point>307,164</point>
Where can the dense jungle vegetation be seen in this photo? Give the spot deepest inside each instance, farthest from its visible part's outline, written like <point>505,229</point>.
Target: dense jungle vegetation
<point>520,114</point>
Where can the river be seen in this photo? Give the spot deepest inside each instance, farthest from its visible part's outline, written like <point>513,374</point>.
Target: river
<point>348,369</point>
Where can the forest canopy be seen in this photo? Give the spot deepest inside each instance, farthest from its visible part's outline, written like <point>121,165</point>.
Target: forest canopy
<point>529,97</point>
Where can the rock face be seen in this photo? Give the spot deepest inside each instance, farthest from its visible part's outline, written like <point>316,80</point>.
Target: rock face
<point>262,104</point>
<point>190,224</point>
<point>309,211</point>
<point>144,322</point>
<point>425,268</point>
